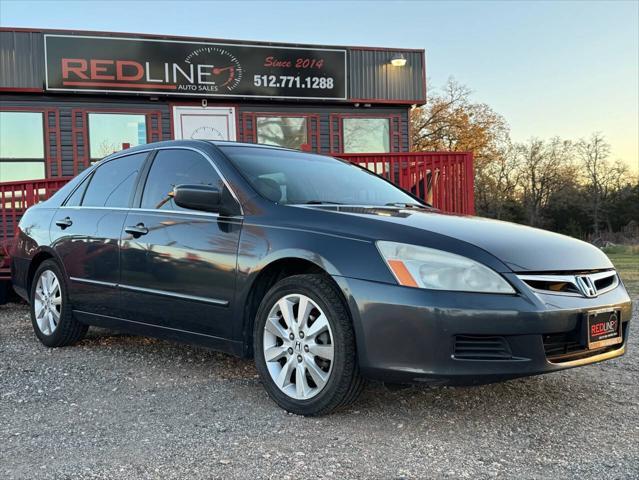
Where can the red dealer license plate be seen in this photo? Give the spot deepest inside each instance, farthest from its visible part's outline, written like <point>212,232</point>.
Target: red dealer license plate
<point>604,328</point>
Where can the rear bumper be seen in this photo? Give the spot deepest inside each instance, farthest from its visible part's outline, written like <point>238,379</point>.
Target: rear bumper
<point>408,335</point>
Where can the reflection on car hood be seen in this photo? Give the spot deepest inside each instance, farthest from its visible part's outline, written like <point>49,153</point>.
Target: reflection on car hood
<point>522,248</point>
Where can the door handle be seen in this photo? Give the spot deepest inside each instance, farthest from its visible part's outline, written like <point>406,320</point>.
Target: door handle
<point>137,230</point>
<point>64,223</point>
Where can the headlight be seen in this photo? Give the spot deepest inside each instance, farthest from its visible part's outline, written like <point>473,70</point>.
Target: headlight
<point>422,267</point>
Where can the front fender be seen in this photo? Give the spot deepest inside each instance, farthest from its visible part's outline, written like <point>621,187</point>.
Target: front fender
<point>260,245</point>
<point>339,256</point>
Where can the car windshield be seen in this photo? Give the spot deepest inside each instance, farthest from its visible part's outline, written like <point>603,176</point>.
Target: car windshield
<point>289,177</point>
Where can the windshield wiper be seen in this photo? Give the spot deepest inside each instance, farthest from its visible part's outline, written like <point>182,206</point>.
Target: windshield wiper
<point>322,202</point>
<point>406,205</point>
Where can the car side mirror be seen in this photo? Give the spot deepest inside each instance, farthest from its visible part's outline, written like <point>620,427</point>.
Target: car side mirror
<point>198,197</point>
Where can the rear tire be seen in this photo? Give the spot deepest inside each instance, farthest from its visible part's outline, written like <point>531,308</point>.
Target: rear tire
<point>304,346</point>
<point>51,312</point>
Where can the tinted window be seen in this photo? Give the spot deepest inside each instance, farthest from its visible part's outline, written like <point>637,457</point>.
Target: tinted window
<point>113,183</point>
<point>176,167</point>
<point>76,199</point>
<point>284,176</point>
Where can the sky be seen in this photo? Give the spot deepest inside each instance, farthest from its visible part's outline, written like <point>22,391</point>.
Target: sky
<point>565,68</point>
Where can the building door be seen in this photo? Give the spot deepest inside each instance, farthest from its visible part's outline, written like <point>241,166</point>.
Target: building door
<point>204,123</point>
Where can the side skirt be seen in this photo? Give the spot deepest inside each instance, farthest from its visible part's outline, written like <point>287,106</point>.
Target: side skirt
<point>165,333</point>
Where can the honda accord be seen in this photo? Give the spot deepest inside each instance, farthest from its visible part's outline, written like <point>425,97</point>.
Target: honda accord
<point>323,272</point>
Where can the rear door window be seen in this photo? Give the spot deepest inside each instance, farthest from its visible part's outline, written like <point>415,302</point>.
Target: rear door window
<point>76,198</point>
<point>176,167</point>
<point>113,183</point>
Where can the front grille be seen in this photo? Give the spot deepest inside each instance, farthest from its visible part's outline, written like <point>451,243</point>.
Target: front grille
<point>568,284</point>
<point>559,344</point>
<point>480,347</point>
<point>605,282</point>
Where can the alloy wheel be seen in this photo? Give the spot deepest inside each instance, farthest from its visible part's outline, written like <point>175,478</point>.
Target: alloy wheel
<point>298,346</point>
<point>47,302</point>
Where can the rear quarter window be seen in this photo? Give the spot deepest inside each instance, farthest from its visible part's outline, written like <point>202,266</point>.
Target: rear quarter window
<point>113,183</point>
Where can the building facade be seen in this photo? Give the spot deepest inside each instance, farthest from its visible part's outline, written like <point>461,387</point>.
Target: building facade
<point>69,98</point>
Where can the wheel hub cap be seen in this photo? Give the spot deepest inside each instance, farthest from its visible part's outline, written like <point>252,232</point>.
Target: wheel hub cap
<point>298,346</point>
<point>47,302</point>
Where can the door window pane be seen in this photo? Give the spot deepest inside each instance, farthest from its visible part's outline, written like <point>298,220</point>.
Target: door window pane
<point>76,198</point>
<point>108,131</point>
<point>176,167</point>
<point>113,183</point>
<point>21,138</point>
<point>289,132</point>
<point>366,135</point>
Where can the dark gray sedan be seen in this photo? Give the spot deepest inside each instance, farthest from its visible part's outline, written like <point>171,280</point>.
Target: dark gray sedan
<point>322,271</point>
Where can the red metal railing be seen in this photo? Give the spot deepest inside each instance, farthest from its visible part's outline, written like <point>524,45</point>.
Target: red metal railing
<point>15,198</point>
<point>443,179</point>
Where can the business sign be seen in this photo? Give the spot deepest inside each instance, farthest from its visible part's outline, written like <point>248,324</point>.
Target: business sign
<point>171,67</point>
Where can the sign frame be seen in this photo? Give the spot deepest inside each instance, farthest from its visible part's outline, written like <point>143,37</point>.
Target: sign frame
<point>193,94</point>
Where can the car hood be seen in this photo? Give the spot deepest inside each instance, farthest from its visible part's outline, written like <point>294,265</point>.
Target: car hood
<point>520,247</point>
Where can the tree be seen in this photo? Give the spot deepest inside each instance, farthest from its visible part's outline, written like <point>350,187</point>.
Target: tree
<point>569,187</point>
<point>601,177</point>
<point>452,122</point>
<point>498,180</point>
<point>546,168</point>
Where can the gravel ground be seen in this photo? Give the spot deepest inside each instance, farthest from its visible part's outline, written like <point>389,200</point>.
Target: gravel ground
<point>118,406</point>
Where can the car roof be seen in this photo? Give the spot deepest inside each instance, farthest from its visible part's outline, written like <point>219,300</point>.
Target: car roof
<point>194,143</point>
<point>230,143</point>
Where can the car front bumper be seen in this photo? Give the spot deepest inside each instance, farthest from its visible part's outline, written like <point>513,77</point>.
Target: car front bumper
<point>408,335</point>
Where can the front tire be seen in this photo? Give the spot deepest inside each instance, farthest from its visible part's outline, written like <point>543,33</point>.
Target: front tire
<point>304,346</point>
<point>51,313</point>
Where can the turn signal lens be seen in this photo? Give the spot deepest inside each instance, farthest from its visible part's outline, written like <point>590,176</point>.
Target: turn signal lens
<point>402,274</point>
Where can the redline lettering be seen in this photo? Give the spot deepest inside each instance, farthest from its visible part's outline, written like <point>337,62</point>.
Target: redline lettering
<point>148,75</point>
<point>603,327</point>
<point>119,71</point>
<point>189,76</point>
<point>98,67</point>
<point>79,69</point>
<point>201,74</point>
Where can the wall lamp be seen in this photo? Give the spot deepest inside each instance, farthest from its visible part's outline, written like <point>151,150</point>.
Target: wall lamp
<point>398,60</point>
